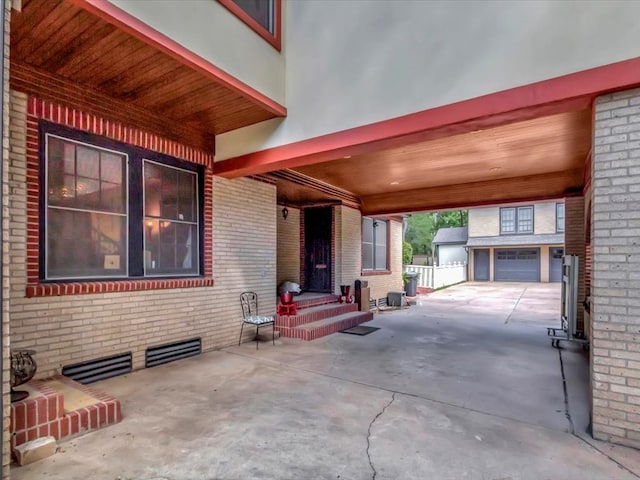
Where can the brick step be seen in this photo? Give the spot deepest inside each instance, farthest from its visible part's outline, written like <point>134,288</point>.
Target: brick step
<point>327,326</point>
<point>302,302</point>
<point>46,411</point>
<point>313,314</point>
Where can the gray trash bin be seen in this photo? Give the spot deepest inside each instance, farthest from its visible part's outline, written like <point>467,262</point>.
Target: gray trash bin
<point>412,283</point>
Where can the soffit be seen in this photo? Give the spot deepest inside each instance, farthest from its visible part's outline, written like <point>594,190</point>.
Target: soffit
<point>65,40</point>
<point>556,143</point>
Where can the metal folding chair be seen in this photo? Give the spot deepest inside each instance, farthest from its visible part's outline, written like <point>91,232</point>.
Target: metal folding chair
<point>249,303</point>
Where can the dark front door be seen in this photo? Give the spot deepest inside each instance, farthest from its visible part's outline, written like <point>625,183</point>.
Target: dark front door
<point>317,249</point>
<point>481,265</point>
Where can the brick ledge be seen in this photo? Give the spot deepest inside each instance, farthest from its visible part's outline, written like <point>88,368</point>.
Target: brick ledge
<point>82,288</point>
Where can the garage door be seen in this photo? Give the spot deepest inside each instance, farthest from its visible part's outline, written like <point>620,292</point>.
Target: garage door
<point>517,265</point>
<point>555,264</point>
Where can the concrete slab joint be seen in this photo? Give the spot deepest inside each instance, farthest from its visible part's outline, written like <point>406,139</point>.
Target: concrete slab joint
<point>615,356</point>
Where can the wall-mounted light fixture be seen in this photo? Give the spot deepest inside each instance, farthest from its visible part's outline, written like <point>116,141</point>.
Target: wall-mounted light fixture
<point>285,212</point>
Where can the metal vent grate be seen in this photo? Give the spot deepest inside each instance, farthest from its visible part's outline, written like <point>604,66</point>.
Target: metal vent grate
<point>99,369</point>
<point>172,351</point>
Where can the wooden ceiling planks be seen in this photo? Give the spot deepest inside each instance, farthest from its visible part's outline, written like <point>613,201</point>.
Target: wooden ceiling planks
<point>67,41</point>
<point>48,87</point>
<point>550,144</point>
<point>510,190</point>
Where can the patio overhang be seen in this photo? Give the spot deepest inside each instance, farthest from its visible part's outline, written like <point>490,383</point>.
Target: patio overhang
<point>525,144</point>
<point>106,52</point>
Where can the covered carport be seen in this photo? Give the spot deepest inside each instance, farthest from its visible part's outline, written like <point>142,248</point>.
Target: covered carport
<point>462,385</point>
<point>535,142</point>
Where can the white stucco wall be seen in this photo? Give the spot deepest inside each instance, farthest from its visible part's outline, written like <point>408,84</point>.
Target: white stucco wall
<point>209,30</point>
<point>355,62</point>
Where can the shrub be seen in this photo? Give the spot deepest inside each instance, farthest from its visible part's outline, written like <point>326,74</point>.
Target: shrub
<point>407,253</point>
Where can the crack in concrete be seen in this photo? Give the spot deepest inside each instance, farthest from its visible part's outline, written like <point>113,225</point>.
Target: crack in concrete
<point>385,389</point>
<point>567,413</point>
<point>380,413</point>
<point>515,306</point>
<point>572,429</point>
<point>428,399</point>
<point>620,465</point>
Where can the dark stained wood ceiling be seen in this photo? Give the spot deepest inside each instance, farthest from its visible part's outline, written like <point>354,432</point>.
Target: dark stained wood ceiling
<point>58,38</point>
<point>533,159</point>
<point>549,144</point>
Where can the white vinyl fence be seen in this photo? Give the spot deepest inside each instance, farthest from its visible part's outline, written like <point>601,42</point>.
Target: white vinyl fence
<point>438,277</point>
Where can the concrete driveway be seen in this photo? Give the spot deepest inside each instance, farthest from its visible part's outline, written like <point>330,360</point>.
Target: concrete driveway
<point>464,385</point>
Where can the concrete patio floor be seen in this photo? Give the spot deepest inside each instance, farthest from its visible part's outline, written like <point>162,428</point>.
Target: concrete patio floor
<point>463,385</point>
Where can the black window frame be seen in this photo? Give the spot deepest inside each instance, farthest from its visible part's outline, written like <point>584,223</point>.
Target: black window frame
<point>375,222</point>
<point>558,206</point>
<point>135,205</point>
<point>516,211</point>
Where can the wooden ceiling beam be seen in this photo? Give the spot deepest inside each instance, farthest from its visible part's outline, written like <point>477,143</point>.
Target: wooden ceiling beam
<point>519,189</point>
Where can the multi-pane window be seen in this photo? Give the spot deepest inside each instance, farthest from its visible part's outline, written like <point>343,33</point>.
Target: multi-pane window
<point>508,220</point>
<point>171,221</point>
<point>86,215</point>
<point>560,217</point>
<point>516,220</point>
<point>374,244</point>
<point>525,219</point>
<point>112,212</point>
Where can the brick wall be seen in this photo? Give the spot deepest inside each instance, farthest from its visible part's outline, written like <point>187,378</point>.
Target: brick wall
<point>6,402</point>
<point>74,328</point>
<point>288,246</point>
<point>615,283</point>
<point>348,245</point>
<point>544,218</point>
<point>574,244</point>
<point>349,250</point>
<point>544,263</point>
<point>484,222</point>
<point>381,284</point>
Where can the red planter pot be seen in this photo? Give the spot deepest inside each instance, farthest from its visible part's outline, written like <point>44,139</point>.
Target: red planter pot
<point>286,298</point>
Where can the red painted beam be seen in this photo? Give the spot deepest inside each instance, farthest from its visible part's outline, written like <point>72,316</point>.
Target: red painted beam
<point>561,94</point>
<point>140,30</point>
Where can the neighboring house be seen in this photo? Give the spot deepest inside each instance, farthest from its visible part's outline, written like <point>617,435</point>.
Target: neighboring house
<point>450,245</point>
<point>160,159</point>
<point>517,243</point>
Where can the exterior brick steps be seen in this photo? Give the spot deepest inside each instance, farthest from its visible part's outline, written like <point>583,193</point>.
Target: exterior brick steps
<point>326,326</point>
<point>313,314</point>
<point>43,412</point>
<point>315,301</point>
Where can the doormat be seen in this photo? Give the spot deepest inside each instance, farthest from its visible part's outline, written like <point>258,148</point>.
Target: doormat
<point>360,330</point>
